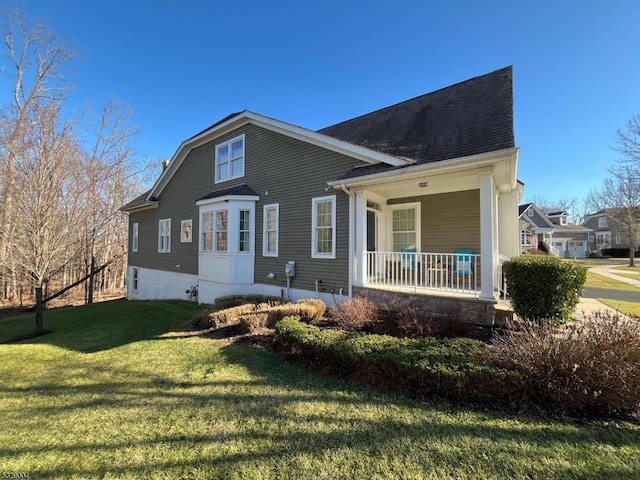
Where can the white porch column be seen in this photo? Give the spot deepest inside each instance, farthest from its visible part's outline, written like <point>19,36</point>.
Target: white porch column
<point>509,232</point>
<point>360,238</point>
<point>487,238</point>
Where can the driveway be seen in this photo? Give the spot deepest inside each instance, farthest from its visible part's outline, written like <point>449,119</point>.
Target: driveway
<point>622,295</point>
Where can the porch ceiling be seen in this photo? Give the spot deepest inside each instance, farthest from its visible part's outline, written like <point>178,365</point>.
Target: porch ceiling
<point>426,185</point>
<point>446,176</point>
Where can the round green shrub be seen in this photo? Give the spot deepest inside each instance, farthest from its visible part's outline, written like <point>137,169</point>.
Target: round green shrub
<point>544,287</point>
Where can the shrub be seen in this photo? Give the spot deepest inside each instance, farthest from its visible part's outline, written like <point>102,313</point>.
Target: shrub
<point>266,316</point>
<point>619,252</point>
<point>456,368</point>
<point>355,313</point>
<point>226,310</point>
<point>229,301</point>
<point>544,287</point>
<point>318,305</point>
<point>544,247</point>
<point>587,366</point>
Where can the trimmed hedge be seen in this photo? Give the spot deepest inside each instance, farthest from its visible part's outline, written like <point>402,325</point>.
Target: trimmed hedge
<point>267,316</point>
<point>619,252</point>
<point>457,368</point>
<point>543,287</point>
<point>254,312</point>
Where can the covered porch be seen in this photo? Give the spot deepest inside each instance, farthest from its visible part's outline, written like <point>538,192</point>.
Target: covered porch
<point>442,230</point>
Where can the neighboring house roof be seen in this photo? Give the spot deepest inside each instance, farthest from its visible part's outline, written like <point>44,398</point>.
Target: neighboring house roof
<point>236,190</point>
<point>571,228</point>
<point>611,213</point>
<point>539,220</point>
<point>468,118</point>
<point>523,208</point>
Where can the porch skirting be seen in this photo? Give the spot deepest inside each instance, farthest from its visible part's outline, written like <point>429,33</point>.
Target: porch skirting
<point>471,310</point>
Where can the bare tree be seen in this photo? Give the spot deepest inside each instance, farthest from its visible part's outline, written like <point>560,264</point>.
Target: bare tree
<point>571,205</point>
<point>60,198</point>
<point>48,184</point>
<point>620,192</point>
<point>38,60</point>
<point>627,142</point>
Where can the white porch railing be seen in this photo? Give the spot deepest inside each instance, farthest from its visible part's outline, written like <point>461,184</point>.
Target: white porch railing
<point>450,272</point>
<point>500,280</point>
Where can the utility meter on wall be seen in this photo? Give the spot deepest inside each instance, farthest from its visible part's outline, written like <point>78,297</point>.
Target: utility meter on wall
<point>290,269</point>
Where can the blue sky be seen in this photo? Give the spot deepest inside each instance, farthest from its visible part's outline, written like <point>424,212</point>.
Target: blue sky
<point>181,65</point>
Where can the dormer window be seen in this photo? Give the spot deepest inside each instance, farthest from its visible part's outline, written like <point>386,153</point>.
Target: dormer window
<point>563,220</point>
<point>230,159</point>
<point>530,212</point>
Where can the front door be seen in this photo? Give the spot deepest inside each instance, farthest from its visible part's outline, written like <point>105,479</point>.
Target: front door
<point>372,240</point>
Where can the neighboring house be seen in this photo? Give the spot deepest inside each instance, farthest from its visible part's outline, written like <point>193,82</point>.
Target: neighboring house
<point>608,230</point>
<point>419,197</point>
<point>564,239</point>
<point>535,227</point>
<point>570,240</point>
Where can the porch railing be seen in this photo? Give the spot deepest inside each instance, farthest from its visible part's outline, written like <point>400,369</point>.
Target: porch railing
<point>451,272</point>
<point>501,281</point>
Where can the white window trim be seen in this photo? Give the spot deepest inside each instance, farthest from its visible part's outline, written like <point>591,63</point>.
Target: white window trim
<point>530,212</point>
<point>134,237</point>
<point>228,143</point>
<point>201,231</point>
<point>233,208</point>
<point>216,231</point>
<point>403,206</point>
<point>183,238</point>
<point>314,233</point>
<point>168,249</point>
<point>265,240</point>
<point>249,231</point>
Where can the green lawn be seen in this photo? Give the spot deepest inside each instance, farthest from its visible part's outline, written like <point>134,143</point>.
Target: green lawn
<point>627,308</point>
<point>595,280</point>
<point>117,391</point>
<point>630,272</point>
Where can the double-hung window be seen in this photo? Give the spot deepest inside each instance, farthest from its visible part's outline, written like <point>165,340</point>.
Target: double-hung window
<point>230,159</point>
<point>244,232</point>
<point>323,224</point>
<point>405,230</point>
<point>270,230</point>
<point>164,235</point>
<point>134,237</point>
<point>221,230</point>
<point>602,222</point>
<point>214,231</point>
<point>206,227</point>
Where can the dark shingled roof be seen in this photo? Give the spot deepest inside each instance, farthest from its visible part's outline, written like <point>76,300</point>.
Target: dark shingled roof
<point>468,118</point>
<point>522,208</point>
<point>242,189</point>
<point>136,202</point>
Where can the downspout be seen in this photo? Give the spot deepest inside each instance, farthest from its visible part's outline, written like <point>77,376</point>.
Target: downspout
<point>352,230</point>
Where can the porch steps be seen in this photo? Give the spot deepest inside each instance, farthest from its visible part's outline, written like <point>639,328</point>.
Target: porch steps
<point>503,313</point>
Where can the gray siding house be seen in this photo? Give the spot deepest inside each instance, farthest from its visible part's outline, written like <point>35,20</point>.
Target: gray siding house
<point>608,230</point>
<point>418,198</point>
<point>564,239</point>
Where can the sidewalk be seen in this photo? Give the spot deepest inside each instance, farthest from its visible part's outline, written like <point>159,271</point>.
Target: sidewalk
<point>588,306</point>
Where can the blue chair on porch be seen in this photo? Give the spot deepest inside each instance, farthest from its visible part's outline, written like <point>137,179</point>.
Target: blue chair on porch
<point>463,262</point>
<point>408,258</point>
